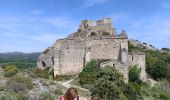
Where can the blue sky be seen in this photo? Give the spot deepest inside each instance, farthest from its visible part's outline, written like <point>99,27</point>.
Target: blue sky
<point>33,25</point>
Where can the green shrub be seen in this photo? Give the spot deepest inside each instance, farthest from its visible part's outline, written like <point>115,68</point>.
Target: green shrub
<point>134,73</point>
<point>89,73</point>
<point>105,89</point>
<point>93,34</point>
<point>46,96</point>
<point>18,83</point>
<point>168,74</point>
<point>63,77</point>
<point>10,70</point>
<point>164,96</point>
<point>13,96</point>
<point>106,33</point>
<point>109,73</point>
<point>157,69</point>
<point>58,91</point>
<point>40,73</point>
<point>2,88</point>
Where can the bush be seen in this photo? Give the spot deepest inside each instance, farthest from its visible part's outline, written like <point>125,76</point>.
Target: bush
<point>109,85</point>
<point>19,83</point>
<point>105,89</point>
<point>164,96</point>
<point>106,33</point>
<point>40,73</point>
<point>168,74</point>
<point>134,73</point>
<point>58,91</point>
<point>10,70</point>
<point>157,69</point>
<point>63,77</point>
<point>17,87</point>
<point>13,96</point>
<point>109,73</point>
<point>89,73</point>
<point>46,96</point>
<point>93,34</point>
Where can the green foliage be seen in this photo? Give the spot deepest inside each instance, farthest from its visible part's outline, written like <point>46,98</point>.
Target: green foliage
<point>40,73</point>
<point>19,83</point>
<point>110,85</point>
<point>164,96</point>
<point>13,96</point>
<point>63,77</point>
<point>21,60</point>
<point>156,62</point>
<point>46,96</point>
<point>109,73</point>
<point>105,89</point>
<point>93,34</point>
<point>79,30</point>
<point>157,69</point>
<point>168,74</point>
<point>106,33</point>
<point>134,73</point>
<point>59,91</point>
<point>89,73</point>
<point>10,70</point>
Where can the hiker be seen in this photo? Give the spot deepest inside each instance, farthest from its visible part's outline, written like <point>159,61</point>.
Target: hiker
<point>71,94</point>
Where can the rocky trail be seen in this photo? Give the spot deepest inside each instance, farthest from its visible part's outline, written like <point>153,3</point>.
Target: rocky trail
<point>68,85</point>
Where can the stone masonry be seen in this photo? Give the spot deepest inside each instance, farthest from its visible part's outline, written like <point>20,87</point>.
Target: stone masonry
<point>93,40</point>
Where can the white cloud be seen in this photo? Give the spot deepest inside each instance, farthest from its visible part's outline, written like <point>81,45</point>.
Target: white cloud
<point>90,3</point>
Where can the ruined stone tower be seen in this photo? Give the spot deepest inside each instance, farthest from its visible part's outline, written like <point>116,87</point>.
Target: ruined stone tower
<point>93,40</point>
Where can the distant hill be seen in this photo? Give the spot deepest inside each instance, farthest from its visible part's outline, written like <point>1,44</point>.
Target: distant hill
<point>20,59</point>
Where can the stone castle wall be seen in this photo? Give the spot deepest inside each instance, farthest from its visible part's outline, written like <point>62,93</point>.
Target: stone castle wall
<point>75,53</point>
<point>139,60</point>
<point>69,55</point>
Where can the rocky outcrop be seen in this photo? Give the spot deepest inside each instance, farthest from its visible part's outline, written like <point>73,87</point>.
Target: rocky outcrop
<point>46,59</point>
<point>144,45</point>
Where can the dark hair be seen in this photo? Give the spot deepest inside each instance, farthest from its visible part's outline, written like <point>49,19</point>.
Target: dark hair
<point>69,95</point>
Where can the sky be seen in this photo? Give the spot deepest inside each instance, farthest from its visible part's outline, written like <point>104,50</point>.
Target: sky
<point>33,25</point>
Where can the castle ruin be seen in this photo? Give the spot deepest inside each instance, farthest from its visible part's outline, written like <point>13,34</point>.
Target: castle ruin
<point>93,40</point>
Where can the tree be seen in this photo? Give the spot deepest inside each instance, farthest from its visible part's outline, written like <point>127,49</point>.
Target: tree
<point>157,69</point>
<point>10,70</point>
<point>134,73</point>
<point>89,73</point>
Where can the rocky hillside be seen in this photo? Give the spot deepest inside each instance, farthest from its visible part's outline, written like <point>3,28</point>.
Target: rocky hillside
<point>146,46</point>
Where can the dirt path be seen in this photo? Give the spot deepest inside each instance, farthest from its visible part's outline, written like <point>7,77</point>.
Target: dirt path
<point>68,85</point>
